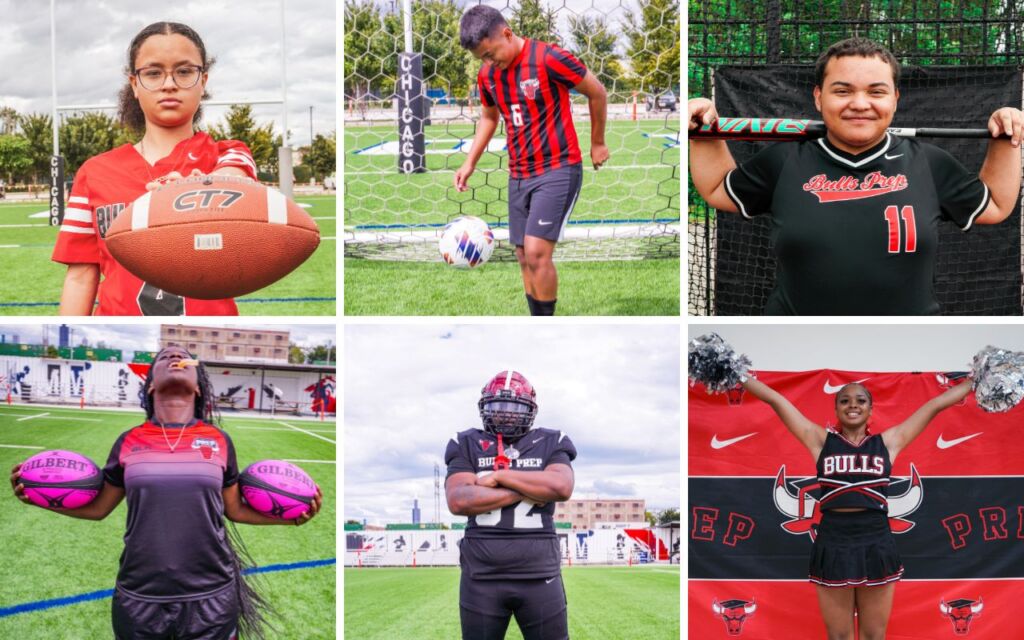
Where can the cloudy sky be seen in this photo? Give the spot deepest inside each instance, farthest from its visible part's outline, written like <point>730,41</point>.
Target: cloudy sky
<point>139,337</point>
<point>243,35</point>
<point>408,389</point>
<point>909,347</point>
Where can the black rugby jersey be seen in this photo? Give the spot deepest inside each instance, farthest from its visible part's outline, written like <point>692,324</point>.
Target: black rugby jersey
<point>175,542</point>
<point>852,476</point>
<point>856,235</point>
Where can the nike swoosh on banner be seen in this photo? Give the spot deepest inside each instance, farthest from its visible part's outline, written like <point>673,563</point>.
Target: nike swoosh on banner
<point>945,444</point>
<point>192,157</point>
<point>830,389</point>
<point>721,444</point>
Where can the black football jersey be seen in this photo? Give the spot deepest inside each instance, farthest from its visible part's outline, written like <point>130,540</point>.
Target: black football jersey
<point>856,234</point>
<point>474,450</point>
<point>852,476</point>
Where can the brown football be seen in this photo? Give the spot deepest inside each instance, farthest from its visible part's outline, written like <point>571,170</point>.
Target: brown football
<point>212,237</point>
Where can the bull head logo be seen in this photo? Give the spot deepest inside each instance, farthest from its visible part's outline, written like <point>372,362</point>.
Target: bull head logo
<point>529,87</point>
<point>734,612</point>
<point>960,612</point>
<point>805,512</point>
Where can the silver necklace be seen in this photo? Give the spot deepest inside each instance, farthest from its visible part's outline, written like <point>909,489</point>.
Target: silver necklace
<point>168,440</point>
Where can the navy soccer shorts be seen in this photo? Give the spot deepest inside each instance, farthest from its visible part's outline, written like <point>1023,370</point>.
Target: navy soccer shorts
<point>486,606</point>
<point>212,618</point>
<point>854,549</point>
<point>540,206</point>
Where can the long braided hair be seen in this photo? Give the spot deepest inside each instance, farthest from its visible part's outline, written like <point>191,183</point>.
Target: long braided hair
<point>253,607</point>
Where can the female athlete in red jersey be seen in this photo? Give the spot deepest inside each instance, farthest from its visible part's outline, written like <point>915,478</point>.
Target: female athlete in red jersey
<point>854,561</point>
<point>167,73</point>
<point>180,575</point>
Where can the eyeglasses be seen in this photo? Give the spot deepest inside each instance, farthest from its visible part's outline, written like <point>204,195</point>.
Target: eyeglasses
<point>185,77</point>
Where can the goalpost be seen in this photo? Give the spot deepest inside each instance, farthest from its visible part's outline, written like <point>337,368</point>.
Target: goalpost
<point>411,113</point>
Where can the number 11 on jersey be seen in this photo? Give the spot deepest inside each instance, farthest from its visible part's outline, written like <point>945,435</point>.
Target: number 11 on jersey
<point>892,219</point>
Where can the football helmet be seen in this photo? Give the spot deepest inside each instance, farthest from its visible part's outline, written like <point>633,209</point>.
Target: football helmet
<point>508,405</point>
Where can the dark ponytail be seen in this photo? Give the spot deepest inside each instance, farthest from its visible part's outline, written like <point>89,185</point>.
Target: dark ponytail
<point>128,110</point>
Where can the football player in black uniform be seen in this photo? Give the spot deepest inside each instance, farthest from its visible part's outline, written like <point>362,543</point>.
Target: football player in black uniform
<point>855,214</point>
<point>506,477</point>
<point>854,561</point>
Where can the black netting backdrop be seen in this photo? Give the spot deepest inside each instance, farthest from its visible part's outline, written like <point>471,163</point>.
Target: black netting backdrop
<point>963,67</point>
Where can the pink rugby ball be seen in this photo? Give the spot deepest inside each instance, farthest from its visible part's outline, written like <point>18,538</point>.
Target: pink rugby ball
<point>61,479</point>
<point>277,489</point>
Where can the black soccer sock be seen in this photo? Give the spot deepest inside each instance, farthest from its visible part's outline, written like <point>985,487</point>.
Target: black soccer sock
<point>532,303</point>
<point>545,307</point>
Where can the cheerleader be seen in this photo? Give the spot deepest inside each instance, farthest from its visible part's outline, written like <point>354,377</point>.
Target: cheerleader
<point>854,561</point>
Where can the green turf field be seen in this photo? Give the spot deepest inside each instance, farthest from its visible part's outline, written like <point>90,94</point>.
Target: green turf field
<point>618,288</point>
<point>605,603</point>
<point>49,556</point>
<point>640,181</point>
<point>32,283</point>
<point>639,184</point>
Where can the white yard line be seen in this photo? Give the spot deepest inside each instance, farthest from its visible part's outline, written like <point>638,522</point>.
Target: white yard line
<point>276,429</point>
<point>18,446</point>
<point>38,415</point>
<point>308,433</point>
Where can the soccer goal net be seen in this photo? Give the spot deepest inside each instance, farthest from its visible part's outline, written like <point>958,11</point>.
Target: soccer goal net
<point>630,209</point>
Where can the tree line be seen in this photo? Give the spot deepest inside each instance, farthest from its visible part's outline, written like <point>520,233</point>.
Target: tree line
<point>648,38</point>
<point>26,144</point>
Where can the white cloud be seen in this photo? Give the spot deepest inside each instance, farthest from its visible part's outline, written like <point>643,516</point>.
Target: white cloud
<point>408,389</point>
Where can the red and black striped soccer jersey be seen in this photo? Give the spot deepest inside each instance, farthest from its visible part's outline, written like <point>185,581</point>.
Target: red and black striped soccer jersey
<point>533,97</point>
<point>175,543</point>
<point>103,187</point>
<point>854,476</point>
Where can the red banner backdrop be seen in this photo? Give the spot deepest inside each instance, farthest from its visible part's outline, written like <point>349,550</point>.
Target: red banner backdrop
<point>956,505</point>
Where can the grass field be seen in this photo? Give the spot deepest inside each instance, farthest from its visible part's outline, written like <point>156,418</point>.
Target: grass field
<point>605,603</point>
<point>640,184</point>
<point>49,556</point>
<point>32,283</point>
<point>616,288</point>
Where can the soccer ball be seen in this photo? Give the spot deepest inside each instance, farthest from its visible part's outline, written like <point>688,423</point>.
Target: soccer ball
<point>466,242</point>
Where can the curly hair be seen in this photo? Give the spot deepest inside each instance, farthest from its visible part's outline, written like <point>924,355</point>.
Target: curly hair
<point>129,111</point>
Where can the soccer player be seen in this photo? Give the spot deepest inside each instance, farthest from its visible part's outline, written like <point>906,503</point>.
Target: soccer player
<point>167,74</point>
<point>180,574</point>
<point>855,214</point>
<point>506,477</point>
<point>528,82</point>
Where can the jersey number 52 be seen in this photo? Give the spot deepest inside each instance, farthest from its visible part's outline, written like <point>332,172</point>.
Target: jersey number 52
<point>521,516</point>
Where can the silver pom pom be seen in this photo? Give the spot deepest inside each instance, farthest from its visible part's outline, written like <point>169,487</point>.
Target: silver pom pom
<point>713,363</point>
<point>998,379</point>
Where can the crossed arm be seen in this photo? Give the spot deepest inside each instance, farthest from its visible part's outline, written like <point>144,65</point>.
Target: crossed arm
<point>469,496</point>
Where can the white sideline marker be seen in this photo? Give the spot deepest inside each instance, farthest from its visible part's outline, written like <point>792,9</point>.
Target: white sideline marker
<point>285,430</point>
<point>18,446</point>
<point>38,415</point>
<point>308,433</point>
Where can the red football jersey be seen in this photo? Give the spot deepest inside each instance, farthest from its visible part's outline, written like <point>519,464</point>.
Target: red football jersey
<point>533,97</point>
<point>104,186</point>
